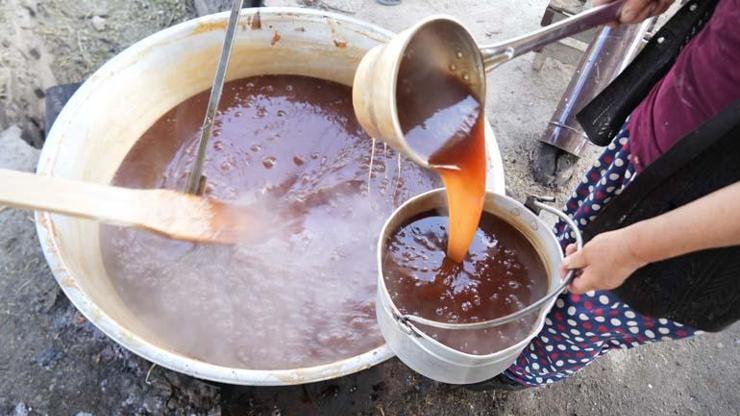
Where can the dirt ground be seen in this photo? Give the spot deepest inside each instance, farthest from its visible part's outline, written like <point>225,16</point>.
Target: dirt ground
<point>52,361</point>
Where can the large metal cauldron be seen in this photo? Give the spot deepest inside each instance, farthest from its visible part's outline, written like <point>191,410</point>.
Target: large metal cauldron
<point>122,99</point>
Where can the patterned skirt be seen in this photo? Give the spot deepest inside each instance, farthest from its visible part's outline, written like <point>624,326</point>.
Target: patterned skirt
<point>581,328</point>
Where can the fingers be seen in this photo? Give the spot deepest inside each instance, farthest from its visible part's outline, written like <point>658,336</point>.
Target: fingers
<point>650,10</point>
<point>568,251</point>
<point>664,5</point>
<point>635,11</point>
<point>576,260</point>
<point>631,9</point>
<point>582,283</point>
<point>595,3</point>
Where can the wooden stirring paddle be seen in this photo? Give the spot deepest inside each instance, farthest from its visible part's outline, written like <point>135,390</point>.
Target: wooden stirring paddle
<point>174,214</point>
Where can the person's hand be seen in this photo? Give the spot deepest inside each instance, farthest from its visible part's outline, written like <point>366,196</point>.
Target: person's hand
<point>712,221</point>
<point>635,11</point>
<point>605,262</point>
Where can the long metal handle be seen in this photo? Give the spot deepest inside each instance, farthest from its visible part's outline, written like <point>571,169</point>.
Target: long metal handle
<point>496,54</point>
<point>516,315</point>
<point>196,180</point>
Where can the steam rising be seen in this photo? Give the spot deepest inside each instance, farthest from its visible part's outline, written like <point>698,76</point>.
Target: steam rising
<point>304,293</point>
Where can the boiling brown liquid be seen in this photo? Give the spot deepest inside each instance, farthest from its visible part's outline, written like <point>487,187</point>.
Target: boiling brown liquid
<point>443,122</point>
<point>302,296</point>
<point>501,274</point>
<point>490,269</point>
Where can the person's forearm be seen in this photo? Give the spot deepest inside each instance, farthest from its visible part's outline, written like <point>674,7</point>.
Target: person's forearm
<point>709,222</point>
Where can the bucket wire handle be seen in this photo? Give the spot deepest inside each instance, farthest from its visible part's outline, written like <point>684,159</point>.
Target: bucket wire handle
<point>535,204</point>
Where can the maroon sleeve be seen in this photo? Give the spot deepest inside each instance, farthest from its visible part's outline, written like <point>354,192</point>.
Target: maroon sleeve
<point>703,81</point>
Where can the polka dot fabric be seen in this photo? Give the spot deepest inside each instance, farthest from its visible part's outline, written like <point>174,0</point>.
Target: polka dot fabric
<point>581,328</point>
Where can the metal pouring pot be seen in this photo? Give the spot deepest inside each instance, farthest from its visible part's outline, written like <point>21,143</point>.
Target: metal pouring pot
<point>429,357</point>
<point>443,44</point>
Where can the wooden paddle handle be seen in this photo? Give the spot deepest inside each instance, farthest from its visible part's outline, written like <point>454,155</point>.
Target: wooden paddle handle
<point>64,196</point>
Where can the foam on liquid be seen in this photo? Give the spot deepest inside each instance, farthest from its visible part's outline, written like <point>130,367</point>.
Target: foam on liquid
<point>302,296</point>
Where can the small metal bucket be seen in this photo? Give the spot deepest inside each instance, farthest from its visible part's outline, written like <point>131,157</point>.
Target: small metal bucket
<point>437,361</point>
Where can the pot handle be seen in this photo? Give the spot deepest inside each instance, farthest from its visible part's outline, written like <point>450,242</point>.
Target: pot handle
<point>536,204</point>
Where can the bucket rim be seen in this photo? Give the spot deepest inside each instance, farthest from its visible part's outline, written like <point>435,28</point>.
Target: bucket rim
<point>414,332</point>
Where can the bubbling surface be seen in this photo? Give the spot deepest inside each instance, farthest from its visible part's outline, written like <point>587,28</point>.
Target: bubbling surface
<point>502,273</point>
<point>302,296</point>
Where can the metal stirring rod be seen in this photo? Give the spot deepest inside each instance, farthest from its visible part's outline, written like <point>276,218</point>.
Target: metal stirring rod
<point>196,180</point>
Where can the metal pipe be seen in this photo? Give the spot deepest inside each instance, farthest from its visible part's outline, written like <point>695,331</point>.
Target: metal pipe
<point>607,55</point>
<point>196,181</point>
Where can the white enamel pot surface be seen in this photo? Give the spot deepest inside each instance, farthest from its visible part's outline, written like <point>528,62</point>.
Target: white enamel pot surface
<point>435,360</point>
<point>118,103</point>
